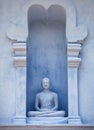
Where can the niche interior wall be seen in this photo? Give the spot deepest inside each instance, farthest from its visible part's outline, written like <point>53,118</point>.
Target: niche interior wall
<point>47,53</point>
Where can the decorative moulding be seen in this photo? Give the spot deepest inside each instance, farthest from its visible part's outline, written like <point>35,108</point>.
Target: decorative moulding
<point>20,61</point>
<point>19,50</point>
<point>74,62</point>
<point>74,49</point>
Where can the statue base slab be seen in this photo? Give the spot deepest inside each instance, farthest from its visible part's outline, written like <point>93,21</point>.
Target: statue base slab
<point>47,120</point>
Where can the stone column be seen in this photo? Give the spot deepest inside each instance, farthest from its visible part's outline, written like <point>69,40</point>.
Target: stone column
<point>73,65</point>
<point>19,49</point>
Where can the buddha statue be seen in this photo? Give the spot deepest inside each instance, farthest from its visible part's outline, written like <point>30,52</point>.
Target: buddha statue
<point>46,103</point>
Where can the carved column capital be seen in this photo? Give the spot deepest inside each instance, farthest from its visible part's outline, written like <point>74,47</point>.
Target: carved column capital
<point>19,50</point>
<point>73,51</point>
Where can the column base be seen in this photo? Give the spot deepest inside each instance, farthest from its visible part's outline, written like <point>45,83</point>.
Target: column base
<point>74,120</point>
<point>19,120</point>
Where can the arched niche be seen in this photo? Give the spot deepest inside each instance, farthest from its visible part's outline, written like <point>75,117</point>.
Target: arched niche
<point>47,53</point>
<point>75,35</point>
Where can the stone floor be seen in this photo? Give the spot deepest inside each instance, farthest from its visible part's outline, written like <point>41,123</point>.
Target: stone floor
<point>46,127</point>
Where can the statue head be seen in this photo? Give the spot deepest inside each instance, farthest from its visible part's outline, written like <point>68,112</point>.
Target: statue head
<point>46,83</point>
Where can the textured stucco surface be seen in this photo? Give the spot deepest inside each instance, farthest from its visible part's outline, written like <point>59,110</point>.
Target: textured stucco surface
<point>12,10</point>
<point>85,11</point>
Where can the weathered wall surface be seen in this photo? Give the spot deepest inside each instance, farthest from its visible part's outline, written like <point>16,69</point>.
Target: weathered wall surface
<point>9,11</point>
<point>7,71</point>
<point>85,11</point>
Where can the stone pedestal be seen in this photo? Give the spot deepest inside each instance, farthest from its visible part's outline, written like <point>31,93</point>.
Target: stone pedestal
<point>47,120</point>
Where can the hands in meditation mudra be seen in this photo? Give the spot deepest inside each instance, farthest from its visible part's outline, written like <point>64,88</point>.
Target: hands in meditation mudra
<point>46,103</point>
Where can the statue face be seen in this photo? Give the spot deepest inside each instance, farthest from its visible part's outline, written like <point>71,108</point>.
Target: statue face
<point>46,83</point>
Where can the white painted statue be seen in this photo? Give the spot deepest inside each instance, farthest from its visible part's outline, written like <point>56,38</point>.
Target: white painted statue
<point>46,103</point>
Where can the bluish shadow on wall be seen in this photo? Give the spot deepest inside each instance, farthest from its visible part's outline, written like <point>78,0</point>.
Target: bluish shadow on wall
<point>47,57</point>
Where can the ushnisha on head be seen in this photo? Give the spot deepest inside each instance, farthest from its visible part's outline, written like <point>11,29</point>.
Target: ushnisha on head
<point>46,83</point>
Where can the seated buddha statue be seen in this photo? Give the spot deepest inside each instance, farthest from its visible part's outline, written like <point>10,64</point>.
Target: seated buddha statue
<point>46,103</point>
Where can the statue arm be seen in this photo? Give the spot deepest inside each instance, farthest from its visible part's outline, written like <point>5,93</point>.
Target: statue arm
<point>55,102</point>
<point>37,103</point>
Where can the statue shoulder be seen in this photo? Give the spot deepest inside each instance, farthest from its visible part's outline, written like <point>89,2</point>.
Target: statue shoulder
<point>38,94</point>
<point>54,94</point>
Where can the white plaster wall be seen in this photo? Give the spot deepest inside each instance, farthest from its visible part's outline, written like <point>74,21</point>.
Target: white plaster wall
<point>10,10</point>
<point>8,81</point>
<point>85,14</point>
